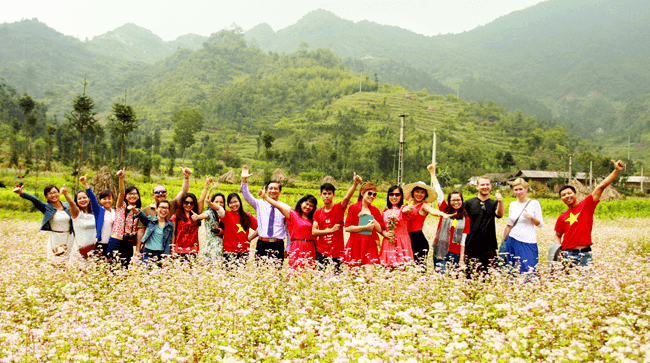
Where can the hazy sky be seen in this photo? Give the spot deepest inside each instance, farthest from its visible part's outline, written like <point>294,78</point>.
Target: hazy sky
<point>172,18</point>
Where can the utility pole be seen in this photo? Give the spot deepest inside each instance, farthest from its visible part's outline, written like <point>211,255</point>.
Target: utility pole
<point>433,155</point>
<point>360,78</point>
<point>400,170</point>
<point>642,190</point>
<point>591,166</point>
<point>570,166</point>
<point>628,147</point>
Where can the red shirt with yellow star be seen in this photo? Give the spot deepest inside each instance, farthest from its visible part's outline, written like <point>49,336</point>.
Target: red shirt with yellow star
<point>235,239</point>
<point>576,224</point>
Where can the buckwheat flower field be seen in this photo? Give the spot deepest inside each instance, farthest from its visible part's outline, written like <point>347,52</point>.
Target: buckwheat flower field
<point>183,313</point>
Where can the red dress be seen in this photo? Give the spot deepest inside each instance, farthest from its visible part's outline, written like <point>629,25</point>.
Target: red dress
<point>303,244</point>
<point>362,249</point>
<point>398,251</point>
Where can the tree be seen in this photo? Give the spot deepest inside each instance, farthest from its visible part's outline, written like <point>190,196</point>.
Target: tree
<point>187,123</point>
<point>122,122</point>
<point>267,140</point>
<point>172,159</point>
<point>27,105</point>
<point>82,117</point>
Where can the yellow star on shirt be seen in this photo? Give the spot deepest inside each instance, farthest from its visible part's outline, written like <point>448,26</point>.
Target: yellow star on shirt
<point>240,228</point>
<point>572,218</point>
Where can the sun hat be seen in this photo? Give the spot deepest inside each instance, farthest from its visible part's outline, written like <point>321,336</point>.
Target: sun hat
<point>432,193</point>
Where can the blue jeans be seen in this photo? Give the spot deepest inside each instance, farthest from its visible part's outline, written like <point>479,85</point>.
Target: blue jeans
<point>450,257</point>
<point>577,258</point>
<point>151,256</point>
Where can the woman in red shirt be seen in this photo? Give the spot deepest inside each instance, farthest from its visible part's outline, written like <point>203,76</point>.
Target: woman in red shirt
<point>449,245</point>
<point>237,225</point>
<point>361,249</point>
<point>302,244</point>
<point>186,228</point>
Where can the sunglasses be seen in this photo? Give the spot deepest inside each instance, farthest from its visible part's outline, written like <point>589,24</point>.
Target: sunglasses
<point>372,194</point>
<point>394,195</point>
<point>160,192</point>
<point>483,205</point>
<point>188,202</point>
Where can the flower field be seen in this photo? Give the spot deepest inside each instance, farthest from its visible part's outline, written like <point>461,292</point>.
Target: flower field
<point>251,313</point>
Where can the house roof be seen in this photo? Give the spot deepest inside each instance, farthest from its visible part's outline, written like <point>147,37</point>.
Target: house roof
<point>544,174</point>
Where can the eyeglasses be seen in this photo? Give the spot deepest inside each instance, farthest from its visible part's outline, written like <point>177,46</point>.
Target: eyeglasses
<point>393,194</point>
<point>371,194</point>
<point>188,202</point>
<point>160,192</point>
<point>456,201</point>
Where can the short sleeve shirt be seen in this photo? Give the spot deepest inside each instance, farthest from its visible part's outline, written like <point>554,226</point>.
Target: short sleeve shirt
<point>187,235</point>
<point>235,238</point>
<point>299,228</point>
<point>330,244</point>
<point>576,224</point>
<point>482,236</point>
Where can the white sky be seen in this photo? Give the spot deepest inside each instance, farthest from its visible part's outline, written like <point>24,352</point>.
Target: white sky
<point>172,18</point>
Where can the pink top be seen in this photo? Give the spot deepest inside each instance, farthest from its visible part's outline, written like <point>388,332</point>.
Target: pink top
<point>416,222</point>
<point>124,223</point>
<point>400,219</point>
<point>299,228</point>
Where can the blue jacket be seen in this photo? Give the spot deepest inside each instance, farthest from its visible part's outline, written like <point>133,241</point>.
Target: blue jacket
<point>152,223</point>
<point>98,212</point>
<point>48,211</point>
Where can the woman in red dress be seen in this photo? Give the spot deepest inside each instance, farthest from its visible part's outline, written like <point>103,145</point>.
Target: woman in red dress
<point>396,251</point>
<point>186,228</point>
<point>361,249</point>
<point>302,245</point>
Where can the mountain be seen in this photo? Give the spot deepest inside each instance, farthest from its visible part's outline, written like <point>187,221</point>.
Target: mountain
<point>134,43</point>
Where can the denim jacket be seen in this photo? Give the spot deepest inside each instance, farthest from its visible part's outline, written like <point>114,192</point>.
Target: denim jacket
<point>98,212</point>
<point>152,223</point>
<point>48,211</point>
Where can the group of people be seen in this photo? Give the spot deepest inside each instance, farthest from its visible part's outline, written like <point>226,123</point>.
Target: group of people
<point>311,236</point>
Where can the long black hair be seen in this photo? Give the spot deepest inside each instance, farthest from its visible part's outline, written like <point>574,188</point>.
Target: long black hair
<point>138,203</point>
<point>244,219</point>
<point>180,212</point>
<point>90,207</point>
<point>401,199</point>
<point>307,198</point>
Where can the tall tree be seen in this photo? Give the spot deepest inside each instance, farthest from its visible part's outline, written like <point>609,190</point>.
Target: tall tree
<point>267,139</point>
<point>187,123</point>
<point>82,117</point>
<point>27,105</point>
<point>122,122</point>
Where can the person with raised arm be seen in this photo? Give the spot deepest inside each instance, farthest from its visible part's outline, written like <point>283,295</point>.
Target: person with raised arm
<point>481,243</point>
<point>123,237</point>
<point>270,243</point>
<point>186,229</point>
<point>238,226</point>
<point>396,251</point>
<point>302,244</point>
<point>524,214</point>
<point>363,222</point>
<point>573,227</point>
<point>328,224</point>
<point>56,220</point>
<point>104,217</point>
<point>158,235</point>
<point>160,193</point>
<point>83,222</point>
<point>421,195</point>
<point>212,249</point>
<point>451,235</point>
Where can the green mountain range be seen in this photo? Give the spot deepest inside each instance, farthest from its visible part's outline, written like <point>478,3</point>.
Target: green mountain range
<point>578,63</point>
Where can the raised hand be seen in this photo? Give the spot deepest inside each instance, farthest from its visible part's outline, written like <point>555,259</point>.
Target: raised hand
<point>120,173</point>
<point>18,189</point>
<point>64,190</point>
<point>82,180</point>
<point>498,196</point>
<point>245,173</point>
<point>357,179</point>
<point>619,165</point>
<point>432,168</point>
<point>186,172</point>
<point>261,193</point>
<point>208,180</point>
